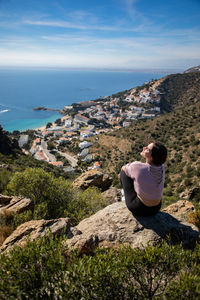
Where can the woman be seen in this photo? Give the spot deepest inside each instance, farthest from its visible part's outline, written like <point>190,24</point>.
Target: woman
<point>143,183</point>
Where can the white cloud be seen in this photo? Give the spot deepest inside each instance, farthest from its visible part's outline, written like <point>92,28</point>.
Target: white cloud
<point>107,57</point>
<point>65,24</point>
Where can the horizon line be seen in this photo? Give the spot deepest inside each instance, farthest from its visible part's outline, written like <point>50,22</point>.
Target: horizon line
<point>108,69</point>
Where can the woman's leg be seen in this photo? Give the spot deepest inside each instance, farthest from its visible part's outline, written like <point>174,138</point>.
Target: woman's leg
<point>129,191</point>
<point>133,203</point>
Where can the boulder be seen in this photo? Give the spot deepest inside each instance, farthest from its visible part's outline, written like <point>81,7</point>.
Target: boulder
<point>15,204</point>
<point>115,225</point>
<point>112,226</point>
<point>4,200</point>
<point>112,195</point>
<point>93,178</point>
<point>180,209</point>
<point>33,230</point>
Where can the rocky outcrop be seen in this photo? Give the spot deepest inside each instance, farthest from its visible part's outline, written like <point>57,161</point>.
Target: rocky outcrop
<point>113,226</point>
<point>4,200</point>
<point>33,230</point>
<point>14,204</point>
<point>93,178</point>
<point>180,209</point>
<point>112,195</point>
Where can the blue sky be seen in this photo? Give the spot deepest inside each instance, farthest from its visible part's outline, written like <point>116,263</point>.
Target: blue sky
<point>122,34</point>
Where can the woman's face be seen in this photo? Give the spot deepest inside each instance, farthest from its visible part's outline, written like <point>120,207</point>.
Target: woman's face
<point>146,152</point>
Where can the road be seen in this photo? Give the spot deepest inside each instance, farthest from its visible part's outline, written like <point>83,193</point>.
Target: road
<point>50,156</point>
<point>70,158</point>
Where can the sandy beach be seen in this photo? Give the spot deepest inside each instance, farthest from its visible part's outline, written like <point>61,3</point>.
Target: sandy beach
<point>42,128</point>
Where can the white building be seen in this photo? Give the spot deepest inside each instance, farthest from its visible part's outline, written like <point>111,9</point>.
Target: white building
<point>84,144</point>
<point>23,140</point>
<point>68,123</point>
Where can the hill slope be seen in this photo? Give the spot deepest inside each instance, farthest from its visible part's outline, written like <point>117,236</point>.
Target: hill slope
<point>178,129</point>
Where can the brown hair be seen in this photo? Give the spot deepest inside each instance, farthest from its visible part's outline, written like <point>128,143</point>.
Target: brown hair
<point>159,154</point>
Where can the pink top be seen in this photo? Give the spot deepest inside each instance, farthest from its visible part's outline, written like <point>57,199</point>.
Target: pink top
<point>148,181</point>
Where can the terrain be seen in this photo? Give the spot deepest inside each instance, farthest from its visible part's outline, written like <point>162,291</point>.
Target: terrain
<point>96,250</point>
<point>177,128</point>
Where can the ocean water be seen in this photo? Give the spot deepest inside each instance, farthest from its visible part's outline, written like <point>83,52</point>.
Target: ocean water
<point>23,89</point>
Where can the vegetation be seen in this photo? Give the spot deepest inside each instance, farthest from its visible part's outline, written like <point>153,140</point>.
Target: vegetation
<point>178,130</point>
<point>53,197</point>
<point>47,270</point>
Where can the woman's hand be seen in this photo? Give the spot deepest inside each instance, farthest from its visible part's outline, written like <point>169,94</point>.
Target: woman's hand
<point>122,169</point>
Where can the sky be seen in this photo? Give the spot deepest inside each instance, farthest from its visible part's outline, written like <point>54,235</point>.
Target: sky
<point>108,34</point>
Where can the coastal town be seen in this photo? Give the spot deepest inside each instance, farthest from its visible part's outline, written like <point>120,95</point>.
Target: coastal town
<point>66,142</point>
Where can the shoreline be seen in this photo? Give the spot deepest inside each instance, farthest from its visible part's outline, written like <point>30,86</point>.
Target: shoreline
<point>42,128</point>
<point>26,123</point>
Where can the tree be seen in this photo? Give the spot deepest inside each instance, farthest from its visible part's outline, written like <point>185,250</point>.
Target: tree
<point>49,124</point>
<point>58,122</point>
<point>49,194</point>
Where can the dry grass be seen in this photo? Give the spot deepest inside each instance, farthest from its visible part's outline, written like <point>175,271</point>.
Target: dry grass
<point>5,231</point>
<point>5,228</point>
<point>194,218</point>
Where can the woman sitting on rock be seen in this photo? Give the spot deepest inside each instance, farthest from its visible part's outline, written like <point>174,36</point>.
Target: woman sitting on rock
<point>143,183</point>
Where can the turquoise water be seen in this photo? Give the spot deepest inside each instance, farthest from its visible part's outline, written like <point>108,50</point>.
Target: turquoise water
<point>22,90</point>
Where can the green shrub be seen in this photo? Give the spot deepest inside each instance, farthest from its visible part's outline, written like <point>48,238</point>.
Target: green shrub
<point>50,195</point>
<point>34,272</point>
<point>84,204</point>
<point>53,197</point>
<point>186,287</point>
<point>45,270</point>
<point>5,177</point>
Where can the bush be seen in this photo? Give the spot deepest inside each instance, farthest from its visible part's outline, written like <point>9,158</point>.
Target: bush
<point>50,195</point>
<point>53,197</point>
<point>5,177</point>
<point>194,218</point>
<point>45,270</point>
<point>34,272</point>
<point>84,204</point>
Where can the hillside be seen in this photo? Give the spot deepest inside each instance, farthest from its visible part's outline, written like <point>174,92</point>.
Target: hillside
<point>193,69</point>
<point>178,129</point>
<point>83,257</point>
<point>178,90</point>
<point>7,144</point>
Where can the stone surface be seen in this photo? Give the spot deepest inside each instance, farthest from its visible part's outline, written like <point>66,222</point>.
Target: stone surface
<point>34,230</point>
<point>112,226</point>
<point>15,204</point>
<point>112,195</point>
<point>93,178</point>
<point>180,209</point>
<point>115,225</point>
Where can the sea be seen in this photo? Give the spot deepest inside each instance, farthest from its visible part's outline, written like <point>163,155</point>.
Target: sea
<point>23,89</point>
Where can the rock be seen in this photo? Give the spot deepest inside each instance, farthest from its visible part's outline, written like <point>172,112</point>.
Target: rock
<point>93,178</point>
<point>112,226</point>
<point>194,193</point>
<point>34,230</point>
<point>180,209</point>
<point>15,204</point>
<point>115,225</point>
<point>5,199</point>
<point>112,195</point>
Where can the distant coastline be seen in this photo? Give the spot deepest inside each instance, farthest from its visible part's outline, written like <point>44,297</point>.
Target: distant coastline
<point>57,88</point>
<point>45,108</point>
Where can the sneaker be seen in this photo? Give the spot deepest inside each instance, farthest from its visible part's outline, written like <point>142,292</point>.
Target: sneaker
<point>123,198</point>
<point>122,192</point>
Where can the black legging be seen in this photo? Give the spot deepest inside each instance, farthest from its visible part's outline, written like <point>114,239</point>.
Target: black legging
<point>133,203</point>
